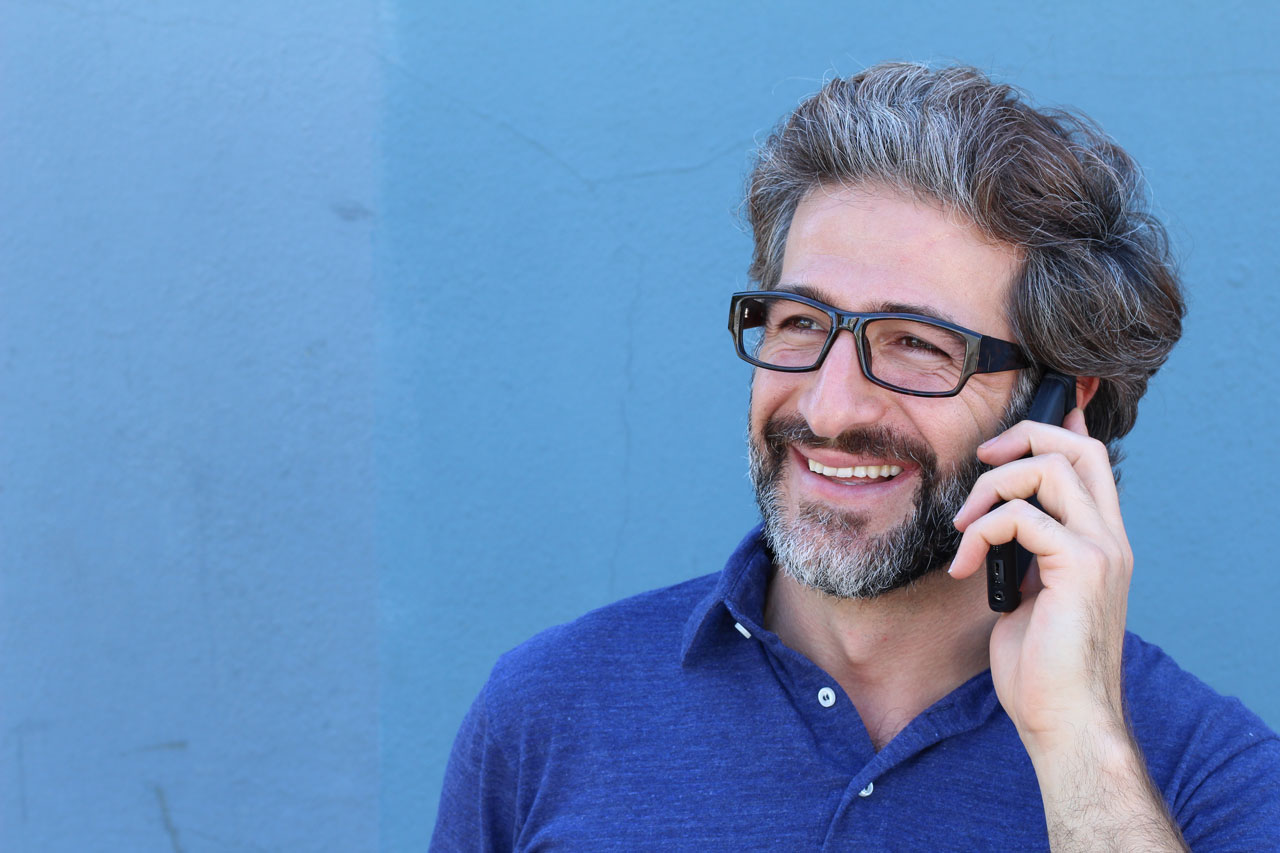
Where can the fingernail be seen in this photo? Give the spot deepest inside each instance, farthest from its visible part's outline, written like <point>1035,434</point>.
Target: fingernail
<point>989,441</point>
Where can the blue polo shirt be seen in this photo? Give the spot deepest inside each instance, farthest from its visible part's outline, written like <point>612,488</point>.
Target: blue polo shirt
<point>675,721</point>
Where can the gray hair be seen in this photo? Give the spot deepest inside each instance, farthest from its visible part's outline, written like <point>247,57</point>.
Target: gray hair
<point>1097,295</point>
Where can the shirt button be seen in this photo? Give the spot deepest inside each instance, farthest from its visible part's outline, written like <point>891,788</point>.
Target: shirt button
<point>743,631</point>
<point>866,792</point>
<point>826,697</point>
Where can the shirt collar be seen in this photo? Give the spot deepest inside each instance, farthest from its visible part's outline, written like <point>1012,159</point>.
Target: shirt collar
<point>738,596</point>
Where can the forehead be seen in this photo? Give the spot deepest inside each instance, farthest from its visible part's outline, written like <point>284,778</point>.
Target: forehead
<point>865,247</point>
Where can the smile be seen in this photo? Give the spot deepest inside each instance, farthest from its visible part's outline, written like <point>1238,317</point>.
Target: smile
<point>858,472</point>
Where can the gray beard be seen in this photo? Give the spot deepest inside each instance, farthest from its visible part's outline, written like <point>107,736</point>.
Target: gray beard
<point>829,550</point>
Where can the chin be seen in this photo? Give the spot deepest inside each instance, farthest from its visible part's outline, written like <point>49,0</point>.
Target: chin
<point>831,549</point>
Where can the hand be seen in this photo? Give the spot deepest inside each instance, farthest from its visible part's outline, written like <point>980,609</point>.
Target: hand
<point>1056,659</point>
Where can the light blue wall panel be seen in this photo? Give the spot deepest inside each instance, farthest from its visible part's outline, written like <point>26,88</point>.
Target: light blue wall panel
<point>188,655</point>
<point>562,414</point>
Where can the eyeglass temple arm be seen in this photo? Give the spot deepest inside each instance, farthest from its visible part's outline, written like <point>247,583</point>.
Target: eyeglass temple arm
<point>995,355</point>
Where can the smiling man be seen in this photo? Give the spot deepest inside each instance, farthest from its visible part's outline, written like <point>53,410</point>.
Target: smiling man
<point>857,533</point>
<point>927,245</point>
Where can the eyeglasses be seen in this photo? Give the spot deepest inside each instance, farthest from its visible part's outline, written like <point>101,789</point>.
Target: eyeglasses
<point>907,353</point>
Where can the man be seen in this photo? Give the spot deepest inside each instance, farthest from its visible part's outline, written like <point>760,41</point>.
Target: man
<point>926,246</point>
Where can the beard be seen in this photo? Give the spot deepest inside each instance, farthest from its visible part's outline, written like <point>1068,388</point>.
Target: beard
<point>830,550</point>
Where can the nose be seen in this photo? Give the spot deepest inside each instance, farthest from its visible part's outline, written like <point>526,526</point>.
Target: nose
<point>838,396</point>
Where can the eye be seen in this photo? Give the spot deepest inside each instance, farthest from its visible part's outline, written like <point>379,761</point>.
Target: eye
<point>799,323</point>
<point>922,343</point>
<point>912,342</point>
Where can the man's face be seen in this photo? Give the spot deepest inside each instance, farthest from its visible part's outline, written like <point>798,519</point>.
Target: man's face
<point>869,249</point>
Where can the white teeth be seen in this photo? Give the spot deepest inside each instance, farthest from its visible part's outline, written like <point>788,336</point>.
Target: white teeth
<point>857,472</point>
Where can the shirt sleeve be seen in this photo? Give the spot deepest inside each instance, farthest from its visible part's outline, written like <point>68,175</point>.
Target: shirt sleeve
<point>1236,806</point>
<point>477,808</point>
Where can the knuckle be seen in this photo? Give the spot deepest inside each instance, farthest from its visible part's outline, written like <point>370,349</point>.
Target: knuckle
<point>1094,558</point>
<point>1018,507</point>
<point>1096,554</point>
<point>1058,462</point>
<point>1004,481</point>
<point>1095,447</point>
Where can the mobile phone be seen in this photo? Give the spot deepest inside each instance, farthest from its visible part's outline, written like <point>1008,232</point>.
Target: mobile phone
<point>1007,563</point>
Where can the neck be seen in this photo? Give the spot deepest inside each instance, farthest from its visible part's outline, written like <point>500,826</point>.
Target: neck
<point>894,655</point>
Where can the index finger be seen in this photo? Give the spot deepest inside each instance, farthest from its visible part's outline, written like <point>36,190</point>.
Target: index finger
<point>1088,456</point>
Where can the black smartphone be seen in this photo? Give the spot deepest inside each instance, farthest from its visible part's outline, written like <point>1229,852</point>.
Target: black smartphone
<point>1007,564</point>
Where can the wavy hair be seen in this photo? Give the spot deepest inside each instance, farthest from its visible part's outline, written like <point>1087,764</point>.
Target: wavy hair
<point>1098,292</point>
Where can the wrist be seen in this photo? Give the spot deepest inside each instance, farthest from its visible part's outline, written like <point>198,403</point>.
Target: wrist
<point>1101,749</point>
<point>1097,793</point>
<point>1083,725</point>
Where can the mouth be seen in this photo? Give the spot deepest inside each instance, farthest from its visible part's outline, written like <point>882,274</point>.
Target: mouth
<point>855,474</point>
<point>879,488</point>
<point>868,470</point>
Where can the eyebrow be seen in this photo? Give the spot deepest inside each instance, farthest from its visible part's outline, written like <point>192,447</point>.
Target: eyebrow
<point>820,295</point>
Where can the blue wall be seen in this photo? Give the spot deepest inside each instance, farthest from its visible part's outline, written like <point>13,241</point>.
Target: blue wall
<point>344,346</point>
<point>188,657</point>
<point>565,411</point>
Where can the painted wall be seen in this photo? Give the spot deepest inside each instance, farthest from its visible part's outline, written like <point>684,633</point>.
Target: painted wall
<point>344,346</point>
<point>564,413</point>
<point>188,650</point>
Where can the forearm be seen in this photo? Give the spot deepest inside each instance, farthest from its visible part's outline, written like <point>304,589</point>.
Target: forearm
<point>1098,795</point>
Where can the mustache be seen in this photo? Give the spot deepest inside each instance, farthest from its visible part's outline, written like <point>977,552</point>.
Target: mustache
<point>781,431</point>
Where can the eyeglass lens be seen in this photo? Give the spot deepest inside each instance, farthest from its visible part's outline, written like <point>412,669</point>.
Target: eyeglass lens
<point>909,354</point>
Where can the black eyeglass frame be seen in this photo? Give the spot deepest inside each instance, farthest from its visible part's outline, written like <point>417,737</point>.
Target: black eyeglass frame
<point>982,353</point>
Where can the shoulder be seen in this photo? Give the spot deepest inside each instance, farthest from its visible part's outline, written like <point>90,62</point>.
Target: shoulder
<point>1163,695</point>
<point>616,644</point>
<point>1216,762</point>
<point>553,712</point>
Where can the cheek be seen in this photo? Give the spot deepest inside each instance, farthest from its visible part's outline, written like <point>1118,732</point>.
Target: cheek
<point>954,429</point>
<point>768,396</point>
<point>977,416</point>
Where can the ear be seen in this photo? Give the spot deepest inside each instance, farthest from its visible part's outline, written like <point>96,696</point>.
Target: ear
<point>1086,387</point>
